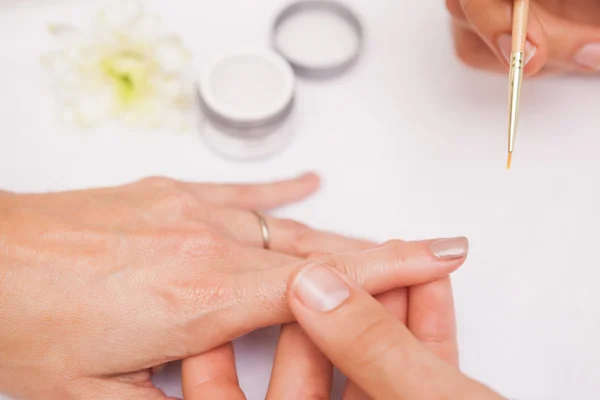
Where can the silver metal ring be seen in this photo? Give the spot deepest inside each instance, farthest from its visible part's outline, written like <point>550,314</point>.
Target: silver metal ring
<point>264,229</point>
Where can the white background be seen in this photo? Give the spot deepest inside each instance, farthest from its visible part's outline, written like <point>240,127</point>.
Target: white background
<point>410,145</point>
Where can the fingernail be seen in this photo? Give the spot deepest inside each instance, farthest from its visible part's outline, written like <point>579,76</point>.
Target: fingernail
<point>589,56</point>
<point>505,46</point>
<point>320,289</point>
<point>449,249</point>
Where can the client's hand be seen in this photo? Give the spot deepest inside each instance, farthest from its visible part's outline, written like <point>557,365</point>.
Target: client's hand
<point>563,36</point>
<point>301,371</point>
<point>98,287</point>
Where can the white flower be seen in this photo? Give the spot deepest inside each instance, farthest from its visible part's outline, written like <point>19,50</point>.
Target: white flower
<point>123,68</point>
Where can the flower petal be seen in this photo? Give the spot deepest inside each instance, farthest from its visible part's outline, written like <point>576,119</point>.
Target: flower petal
<point>92,108</point>
<point>57,62</point>
<point>118,16</point>
<point>146,29</point>
<point>171,55</point>
<point>67,35</point>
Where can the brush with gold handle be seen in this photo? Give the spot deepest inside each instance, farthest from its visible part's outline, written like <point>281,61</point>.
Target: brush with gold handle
<point>517,65</point>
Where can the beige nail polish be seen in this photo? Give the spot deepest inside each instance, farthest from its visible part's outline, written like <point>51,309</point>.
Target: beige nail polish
<point>320,288</point>
<point>504,43</point>
<point>449,249</point>
<point>589,56</point>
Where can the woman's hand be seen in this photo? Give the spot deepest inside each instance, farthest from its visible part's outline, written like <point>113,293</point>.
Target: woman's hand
<point>301,371</point>
<point>563,35</point>
<point>385,358</point>
<point>98,287</point>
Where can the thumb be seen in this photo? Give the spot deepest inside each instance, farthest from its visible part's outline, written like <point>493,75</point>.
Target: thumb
<point>369,344</point>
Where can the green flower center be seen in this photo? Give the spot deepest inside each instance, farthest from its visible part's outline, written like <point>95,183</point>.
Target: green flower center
<point>129,73</point>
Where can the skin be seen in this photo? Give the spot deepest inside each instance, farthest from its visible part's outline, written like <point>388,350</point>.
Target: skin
<point>387,347</point>
<point>100,287</point>
<point>416,325</point>
<point>558,28</point>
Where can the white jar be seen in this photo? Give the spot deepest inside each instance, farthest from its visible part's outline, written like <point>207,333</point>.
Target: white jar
<point>248,99</point>
<point>248,96</point>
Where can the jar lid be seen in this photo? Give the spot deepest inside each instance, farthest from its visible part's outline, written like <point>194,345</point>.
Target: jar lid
<point>247,88</point>
<point>319,38</point>
<point>246,96</point>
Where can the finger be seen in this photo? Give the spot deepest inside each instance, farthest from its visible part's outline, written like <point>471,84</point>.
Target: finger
<point>431,318</point>
<point>387,267</point>
<point>456,11</point>
<point>300,370</point>
<point>285,236</point>
<point>492,20</point>
<point>573,46</point>
<point>396,302</point>
<point>211,375</point>
<point>472,51</point>
<point>367,342</point>
<point>129,386</point>
<point>258,196</point>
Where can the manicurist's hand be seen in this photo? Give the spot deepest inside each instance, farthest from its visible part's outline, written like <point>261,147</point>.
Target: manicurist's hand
<point>384,358</point>
<point>563,35</point>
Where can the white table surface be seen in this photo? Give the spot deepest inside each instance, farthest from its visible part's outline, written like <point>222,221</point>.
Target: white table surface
<point>410,145</point>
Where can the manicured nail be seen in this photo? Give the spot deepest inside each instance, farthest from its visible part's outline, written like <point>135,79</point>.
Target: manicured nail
<point>320,289</point>
<point>505,46</point>
<point>449,249</point>
<point>589,56</point>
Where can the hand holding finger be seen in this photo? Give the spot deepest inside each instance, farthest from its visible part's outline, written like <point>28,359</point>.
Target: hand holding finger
<point>369,344</point>
<point>396,302</point>
<point>432,320</point>
<point>387,267</point>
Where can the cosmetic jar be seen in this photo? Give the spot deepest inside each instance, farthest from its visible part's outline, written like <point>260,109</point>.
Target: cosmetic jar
<point>248,97</point>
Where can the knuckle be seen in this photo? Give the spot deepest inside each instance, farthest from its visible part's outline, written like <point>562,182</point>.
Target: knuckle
<point>295,231</point>
<point>249,192</point>
<point>435,339</point>
<point>464,53</point>
<point>201,242</point>
<point>158,181</point>
<point>180,203</point>
<point>393,243</point>
<point>454,8</point>
<point>397,249</point>
<point>208,295</point>
<point>297,235</point>
<point>467,5</point>
<point>374,341</point>
<point>335,262</point>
